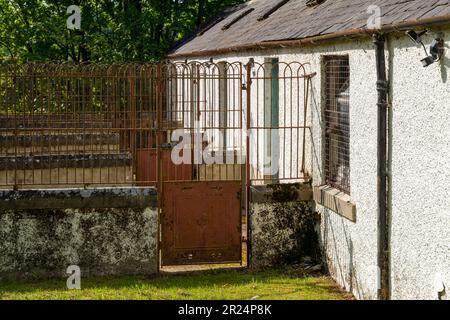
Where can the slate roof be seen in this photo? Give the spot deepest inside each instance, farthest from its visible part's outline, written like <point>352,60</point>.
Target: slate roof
<point>295,20</point>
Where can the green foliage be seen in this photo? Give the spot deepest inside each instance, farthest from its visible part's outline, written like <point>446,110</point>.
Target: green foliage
<point>111,30</point>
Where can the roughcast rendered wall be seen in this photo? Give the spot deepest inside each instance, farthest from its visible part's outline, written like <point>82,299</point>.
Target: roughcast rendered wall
<point>420,240</point>
<point>100,240</point>
<point>283,225</point>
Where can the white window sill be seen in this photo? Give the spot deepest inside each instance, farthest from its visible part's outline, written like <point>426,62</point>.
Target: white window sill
<point>335,200</point>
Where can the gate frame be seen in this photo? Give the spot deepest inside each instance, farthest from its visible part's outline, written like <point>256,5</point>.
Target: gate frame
<point>194,76</point>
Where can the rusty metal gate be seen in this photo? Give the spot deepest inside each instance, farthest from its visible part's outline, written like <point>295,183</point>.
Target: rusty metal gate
<point>232,125</point>
<point>201,197</point>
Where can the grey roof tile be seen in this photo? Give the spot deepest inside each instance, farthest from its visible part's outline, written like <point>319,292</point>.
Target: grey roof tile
<point>295,20</point>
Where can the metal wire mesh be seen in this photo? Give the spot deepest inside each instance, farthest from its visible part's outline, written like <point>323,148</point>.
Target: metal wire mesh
<point>337,122</point>
<point>116,125</point>
<point>205,105</point>
<point>77,126</point>
<point>279,123</point>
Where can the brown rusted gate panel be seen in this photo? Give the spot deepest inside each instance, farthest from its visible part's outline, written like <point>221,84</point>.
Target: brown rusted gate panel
<point>201,223</point>
<point>147,168</point>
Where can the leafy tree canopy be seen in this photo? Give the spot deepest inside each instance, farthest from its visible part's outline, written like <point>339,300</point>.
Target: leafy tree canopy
<point>111,30</point>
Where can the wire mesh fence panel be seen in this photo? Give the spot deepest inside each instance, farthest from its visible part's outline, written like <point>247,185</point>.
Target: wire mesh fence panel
<point>279,127</point>
<point>204,121</point>
<point>136,125</point>
<point>76,125</point>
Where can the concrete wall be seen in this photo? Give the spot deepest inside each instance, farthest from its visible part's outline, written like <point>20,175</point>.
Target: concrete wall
<point>282,225</point>
<point>104,232</point>
<point>420,166</point>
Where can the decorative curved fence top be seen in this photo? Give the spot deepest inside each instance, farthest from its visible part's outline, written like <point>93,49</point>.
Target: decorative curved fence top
<point>97,125</point>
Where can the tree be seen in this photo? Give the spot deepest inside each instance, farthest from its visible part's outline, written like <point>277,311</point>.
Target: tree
<point>111,30</point>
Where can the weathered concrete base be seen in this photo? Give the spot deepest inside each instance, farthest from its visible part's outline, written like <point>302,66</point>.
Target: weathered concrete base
<point>283,225</point>
<point>42,242</point>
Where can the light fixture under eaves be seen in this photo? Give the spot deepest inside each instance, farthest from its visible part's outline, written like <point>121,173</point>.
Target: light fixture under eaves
<point>436,48</point>
<point>436,52</point>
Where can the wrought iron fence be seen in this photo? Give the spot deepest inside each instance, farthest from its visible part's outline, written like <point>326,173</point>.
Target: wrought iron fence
<point>204,105</point>
<point>120,125</point>
<point>279,125</point>
<point>76,125</point>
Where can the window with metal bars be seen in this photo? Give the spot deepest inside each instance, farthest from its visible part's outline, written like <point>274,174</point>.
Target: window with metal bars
<point>337,122</point>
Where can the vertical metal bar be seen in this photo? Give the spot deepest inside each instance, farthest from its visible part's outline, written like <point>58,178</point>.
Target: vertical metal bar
<point>132,115</point>
<point>159,175</point>
<point>240,127</point>
<point>191,110</point>
<point>248,181</point>
<point>305,113</point>
<point>82,101</point>
<point>198,118</point>
<point>16,105</point>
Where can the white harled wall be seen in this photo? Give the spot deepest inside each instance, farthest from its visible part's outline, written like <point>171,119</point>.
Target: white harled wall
<point>420,172</point>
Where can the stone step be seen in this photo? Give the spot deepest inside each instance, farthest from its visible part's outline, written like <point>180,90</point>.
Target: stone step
<point>66,161</point>
<point>57,138</point>
<point>59,143</point>
<point>37,121</point>
<point>51,171</point>
<point>67,178</point>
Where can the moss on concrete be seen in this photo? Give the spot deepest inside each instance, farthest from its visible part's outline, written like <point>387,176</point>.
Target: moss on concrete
<point>103,241</point>
<point>283,229</point>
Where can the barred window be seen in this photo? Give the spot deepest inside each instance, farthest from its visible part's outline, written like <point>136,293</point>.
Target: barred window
<point>337,122</point>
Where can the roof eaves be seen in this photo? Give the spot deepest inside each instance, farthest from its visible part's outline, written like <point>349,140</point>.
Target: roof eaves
<point>361,32</point>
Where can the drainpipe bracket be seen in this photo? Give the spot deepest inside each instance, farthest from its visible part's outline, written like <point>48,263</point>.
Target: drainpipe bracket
<point>383,85</point>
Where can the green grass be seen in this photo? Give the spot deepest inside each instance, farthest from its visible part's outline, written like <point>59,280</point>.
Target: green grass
<point>279,284</point>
